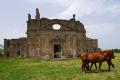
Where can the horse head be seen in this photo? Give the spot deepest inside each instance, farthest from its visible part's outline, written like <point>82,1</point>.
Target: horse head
<point>110,53</point>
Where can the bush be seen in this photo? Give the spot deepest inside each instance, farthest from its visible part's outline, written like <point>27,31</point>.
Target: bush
<point>116,50</point>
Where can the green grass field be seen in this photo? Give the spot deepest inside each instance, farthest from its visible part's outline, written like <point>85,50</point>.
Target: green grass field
<point>36,69</point>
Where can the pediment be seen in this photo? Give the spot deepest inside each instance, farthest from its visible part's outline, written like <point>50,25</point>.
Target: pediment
<point>63,27</point>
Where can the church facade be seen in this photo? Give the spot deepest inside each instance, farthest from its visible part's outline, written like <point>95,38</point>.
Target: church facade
<point>51,38</point>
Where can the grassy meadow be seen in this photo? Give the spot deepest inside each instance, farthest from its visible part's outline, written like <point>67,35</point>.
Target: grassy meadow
<point>36,69</point>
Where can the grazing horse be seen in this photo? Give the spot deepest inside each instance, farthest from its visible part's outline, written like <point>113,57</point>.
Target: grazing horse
<point>93,57</point>
<point>108,59</point>
<point>110,56</point>
<point>96,57</point>
<point>85,64</point>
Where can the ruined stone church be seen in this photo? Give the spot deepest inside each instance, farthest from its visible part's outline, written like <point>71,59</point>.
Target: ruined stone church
<point>54,38</point>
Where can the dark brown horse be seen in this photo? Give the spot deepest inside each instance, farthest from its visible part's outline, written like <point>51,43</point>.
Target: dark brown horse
<point>108,58</point>
<point>85,64</point>
<point>96,57</point>
<point>92,57</point>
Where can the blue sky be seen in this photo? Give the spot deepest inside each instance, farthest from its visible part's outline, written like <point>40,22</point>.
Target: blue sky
<point>101,18</point>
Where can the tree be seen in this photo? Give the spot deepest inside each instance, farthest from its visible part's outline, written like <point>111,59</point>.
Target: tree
<point>1,49</point>
<point>117,50</point>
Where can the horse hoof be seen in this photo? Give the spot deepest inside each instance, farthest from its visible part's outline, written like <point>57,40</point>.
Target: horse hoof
<point>98,71</point>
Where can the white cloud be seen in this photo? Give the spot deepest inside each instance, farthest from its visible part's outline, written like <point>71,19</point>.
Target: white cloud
<point>107,34</point>
<point>112,9</point>
<point>100,27</point>
<point>82,7</point>
<point>54,2</point>
<point>88,7</point>
<point>100,30</point>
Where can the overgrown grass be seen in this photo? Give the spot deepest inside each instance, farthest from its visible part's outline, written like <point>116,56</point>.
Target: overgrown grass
<point>36,69</point>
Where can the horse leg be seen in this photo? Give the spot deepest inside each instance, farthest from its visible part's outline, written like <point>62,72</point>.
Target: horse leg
<point>109,62</point>
<point>87,66</point>
<point>100,63</point>
<point>91,66</point>
<point>112,64</point>
<point>95,66</point>
<point>83,66</point>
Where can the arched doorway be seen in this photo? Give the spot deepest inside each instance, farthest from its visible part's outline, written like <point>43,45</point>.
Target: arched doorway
<point>57,51</point>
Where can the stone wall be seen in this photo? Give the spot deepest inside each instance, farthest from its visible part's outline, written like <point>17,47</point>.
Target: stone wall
<point>43,40</point>
<point>15,47</point>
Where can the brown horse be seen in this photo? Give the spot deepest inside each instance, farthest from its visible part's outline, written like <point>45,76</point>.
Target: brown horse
<point>108,59</point>
<point>85,64</point>
<point>96,57</point>
<point>92,57</point>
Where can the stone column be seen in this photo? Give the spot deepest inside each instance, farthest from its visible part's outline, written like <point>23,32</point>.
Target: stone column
<point>74,46</point>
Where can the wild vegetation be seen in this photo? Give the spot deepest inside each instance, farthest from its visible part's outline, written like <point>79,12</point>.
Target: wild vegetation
<point>1,50</point>
<point>117,50</point>
<point>37,69</point>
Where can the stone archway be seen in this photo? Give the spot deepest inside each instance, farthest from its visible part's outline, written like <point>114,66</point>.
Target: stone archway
<point>57,47</point>
<point>57,50</point>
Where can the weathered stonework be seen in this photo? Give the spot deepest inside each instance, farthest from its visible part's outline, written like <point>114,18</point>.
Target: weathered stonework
<point>44,41</point>
<point>15,47</point>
